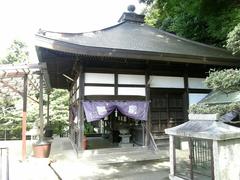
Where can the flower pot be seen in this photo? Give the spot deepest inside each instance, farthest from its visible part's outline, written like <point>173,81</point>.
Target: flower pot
<point>41,149</point>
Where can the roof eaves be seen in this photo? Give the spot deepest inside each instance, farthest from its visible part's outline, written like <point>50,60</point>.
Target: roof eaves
<point>64,46</point>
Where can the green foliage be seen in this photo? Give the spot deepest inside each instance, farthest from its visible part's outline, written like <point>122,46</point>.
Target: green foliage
<point>213,109</point>
<point>153,17</point>
<point>10,114</point>
<point>233,41</point>
<point>88,128</point>
<point>227,80</point>
<point>10,117</point>
<point>17,53</point>
<point>189,26</point>
<point>59,111</point>
<point>207,21</point>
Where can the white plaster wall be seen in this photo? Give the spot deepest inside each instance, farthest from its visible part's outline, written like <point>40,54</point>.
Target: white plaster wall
<point>197,83</point>
<point>227,159</point>
<point>166,82</point>
<point>131,79</point>
<point>131,91</point>
<point>99,78</point>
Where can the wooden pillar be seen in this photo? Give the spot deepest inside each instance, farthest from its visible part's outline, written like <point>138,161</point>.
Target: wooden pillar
<point>186,97</point>
<point>48,104</point>
<point>149,122</point>
<point>115,84</point>
<point>41,106</point>
<point>81,111</point>
<point>24,117</point>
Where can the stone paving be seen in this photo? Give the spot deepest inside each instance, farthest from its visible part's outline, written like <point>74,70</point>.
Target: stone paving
<point>65,165</point>
<point>113,164</point>
<point>31,168</point>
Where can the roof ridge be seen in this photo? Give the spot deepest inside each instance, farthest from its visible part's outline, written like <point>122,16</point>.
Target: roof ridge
<point>41,31</point>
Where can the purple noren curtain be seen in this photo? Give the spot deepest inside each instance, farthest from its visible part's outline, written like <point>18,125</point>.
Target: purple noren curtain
<point>96,110</point>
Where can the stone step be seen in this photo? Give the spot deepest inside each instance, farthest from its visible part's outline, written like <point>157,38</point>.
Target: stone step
<point>115,150</point>
<point>119,157</point>
<point>161,137</point>
<point>164,146</point>
<point>161,140</point>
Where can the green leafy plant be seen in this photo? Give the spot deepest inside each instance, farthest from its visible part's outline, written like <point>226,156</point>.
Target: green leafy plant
<point>233,41</point>
<point>206,21</point>
<point>213,109</point>
<point>88,128</point>
<point>59,111</point>
<point>227,81</point>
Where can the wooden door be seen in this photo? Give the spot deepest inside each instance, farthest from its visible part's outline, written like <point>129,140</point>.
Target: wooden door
<point>167,109</point>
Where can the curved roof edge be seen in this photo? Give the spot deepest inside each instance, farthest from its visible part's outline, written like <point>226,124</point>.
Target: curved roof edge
<point>43,32</point>
<point>63,46</point>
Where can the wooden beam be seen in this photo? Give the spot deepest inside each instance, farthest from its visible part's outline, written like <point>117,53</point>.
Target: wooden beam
<point>41,106</point>
<point>15,71</point>
<point>46,76</point>
<point>186,96</point>
<point>114,98</point>
<point>11,87</point>
<point>149,121</point>
<point>32,83</point>
<point>17,67</point>
<point>15,90</point>
<point>11,75</point>
<point>115,84</point>
<point>48,104</point>
<point>24,117</point>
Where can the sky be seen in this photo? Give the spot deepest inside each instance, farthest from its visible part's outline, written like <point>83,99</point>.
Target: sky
<point>21,19</point>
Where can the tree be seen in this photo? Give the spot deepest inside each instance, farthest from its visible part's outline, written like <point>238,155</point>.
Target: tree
<point>233,41</point>
<point>226,81</point>
<point>17,53</point>
<point>207,21</point>
<point>10,114</point>
<point>9,117</point>
<point>59,111</point>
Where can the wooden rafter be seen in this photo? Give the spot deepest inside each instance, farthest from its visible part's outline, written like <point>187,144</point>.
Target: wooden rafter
<point>35,87</point>
<point>12,75</point>
<point>16,90</point>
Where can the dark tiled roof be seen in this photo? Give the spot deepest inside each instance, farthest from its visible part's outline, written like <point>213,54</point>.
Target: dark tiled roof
<point>135,36</point>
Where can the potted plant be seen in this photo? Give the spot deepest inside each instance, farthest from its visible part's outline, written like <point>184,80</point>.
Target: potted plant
<point>42,147</point>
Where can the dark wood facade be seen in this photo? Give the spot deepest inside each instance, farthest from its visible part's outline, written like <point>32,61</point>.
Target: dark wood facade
<point>139,63</point>
<point>168,106</point>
